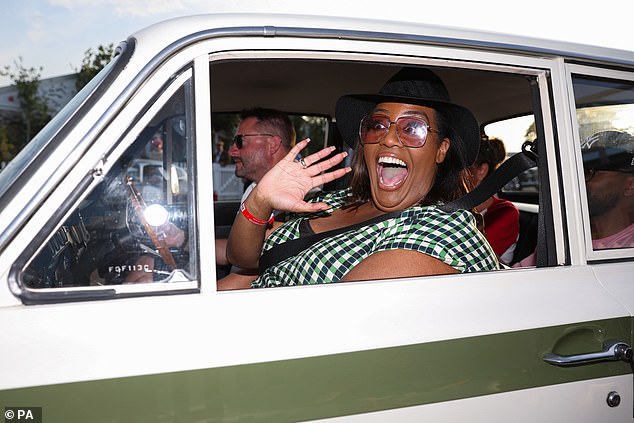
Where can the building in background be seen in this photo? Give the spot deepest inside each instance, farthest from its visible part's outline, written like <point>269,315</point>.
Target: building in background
<point>58,91</point>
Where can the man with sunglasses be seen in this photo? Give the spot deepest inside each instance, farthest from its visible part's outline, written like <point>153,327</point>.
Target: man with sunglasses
<point>608,160</point>
<point>263,138</point>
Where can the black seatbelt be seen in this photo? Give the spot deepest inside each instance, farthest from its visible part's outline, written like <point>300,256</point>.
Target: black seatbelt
<point>533,154</point>
<point>292,247</point>
<point>512,167</point>
<point>545,249</point>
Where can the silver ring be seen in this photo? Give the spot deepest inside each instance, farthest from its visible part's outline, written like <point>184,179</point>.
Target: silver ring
<point>303,163</point>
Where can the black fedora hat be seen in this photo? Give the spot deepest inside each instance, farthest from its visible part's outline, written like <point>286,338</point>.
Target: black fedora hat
<point>412,86</point>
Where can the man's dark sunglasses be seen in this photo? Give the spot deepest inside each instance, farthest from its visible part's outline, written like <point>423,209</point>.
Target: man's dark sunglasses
<point>239,141</point>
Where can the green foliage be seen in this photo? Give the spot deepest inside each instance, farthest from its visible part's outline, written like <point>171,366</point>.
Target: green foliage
<point>92,63</point>
<point>6,147</point>
<point>531,133</point>
<point>225,124</point>
<point>17,129</point>
<point>34,110</point>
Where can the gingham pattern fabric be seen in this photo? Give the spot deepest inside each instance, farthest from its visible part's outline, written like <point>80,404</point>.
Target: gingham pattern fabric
<point>453,238</point>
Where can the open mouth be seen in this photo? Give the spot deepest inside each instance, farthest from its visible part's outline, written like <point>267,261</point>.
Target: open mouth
<point>391,171</point>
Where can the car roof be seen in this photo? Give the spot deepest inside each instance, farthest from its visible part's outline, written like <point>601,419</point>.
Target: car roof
<point>275,84</point>
<point>262,24</point>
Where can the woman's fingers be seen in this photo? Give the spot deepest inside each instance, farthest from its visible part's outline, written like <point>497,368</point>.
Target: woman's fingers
<point>299,146</point>
<point>315,157</point>
<point>285,186</point>
<point>324,178</point>
<point>317,168</point>
<point>305,207</point>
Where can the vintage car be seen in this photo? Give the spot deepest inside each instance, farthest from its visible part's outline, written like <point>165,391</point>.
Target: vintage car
<point>82,342</point>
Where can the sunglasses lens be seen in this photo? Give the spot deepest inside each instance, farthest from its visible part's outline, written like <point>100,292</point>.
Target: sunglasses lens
<point>411,132</point>
<point>238,141</point>
<point>373,129</point>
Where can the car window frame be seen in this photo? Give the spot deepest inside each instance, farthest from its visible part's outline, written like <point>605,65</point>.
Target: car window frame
<point>451,57</point>
<point>572,69</point>
<point>59,127</point>
<point>185,80</point>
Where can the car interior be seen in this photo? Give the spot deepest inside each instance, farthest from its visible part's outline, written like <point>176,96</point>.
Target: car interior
<point>312,87</point>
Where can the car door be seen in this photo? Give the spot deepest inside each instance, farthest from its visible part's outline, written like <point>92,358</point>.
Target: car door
<point>604,104</point>
<point>449,345</point>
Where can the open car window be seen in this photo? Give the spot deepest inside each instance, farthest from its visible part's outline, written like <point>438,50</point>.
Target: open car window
<point>492,95</point>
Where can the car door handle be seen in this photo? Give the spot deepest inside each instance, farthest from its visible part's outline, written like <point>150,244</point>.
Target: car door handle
<point>613,351</point>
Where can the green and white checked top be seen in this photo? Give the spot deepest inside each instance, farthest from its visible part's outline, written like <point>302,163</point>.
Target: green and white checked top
<point>453,238</point>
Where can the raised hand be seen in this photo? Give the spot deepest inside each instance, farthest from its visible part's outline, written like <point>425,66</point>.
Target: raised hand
<point>287,183</point>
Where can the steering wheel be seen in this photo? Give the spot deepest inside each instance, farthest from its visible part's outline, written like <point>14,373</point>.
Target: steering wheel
<point>139,206</point>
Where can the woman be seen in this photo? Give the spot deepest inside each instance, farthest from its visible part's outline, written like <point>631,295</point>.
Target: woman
<point>501,217</point>
<point>413,150</point>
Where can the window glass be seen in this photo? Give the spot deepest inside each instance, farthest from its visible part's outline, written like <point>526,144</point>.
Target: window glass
<point>134,226</point>
<point>605,112</point>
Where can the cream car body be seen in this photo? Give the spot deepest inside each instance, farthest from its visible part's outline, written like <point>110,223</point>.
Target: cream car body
<point>448,348</point>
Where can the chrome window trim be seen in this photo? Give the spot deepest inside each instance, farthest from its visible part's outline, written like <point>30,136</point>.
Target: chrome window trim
<point>540,68</point>
<point>581,70</point>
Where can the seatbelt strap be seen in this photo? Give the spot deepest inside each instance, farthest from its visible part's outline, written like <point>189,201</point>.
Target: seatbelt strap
<point>512,167</point>
<point>292,247</point>
<point>545,249</point>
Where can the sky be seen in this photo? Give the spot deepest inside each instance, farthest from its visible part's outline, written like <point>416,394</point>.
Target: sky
<point>55,34</point>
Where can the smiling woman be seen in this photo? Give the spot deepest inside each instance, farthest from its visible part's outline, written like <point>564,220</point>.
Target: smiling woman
<point>389,213</point>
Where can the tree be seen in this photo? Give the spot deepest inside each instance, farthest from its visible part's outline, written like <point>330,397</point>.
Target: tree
<point>6,147</point>
<point>92,63</point>
<point>34,109</point>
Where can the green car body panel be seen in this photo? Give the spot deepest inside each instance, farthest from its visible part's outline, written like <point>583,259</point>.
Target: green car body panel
<point>335,385</point>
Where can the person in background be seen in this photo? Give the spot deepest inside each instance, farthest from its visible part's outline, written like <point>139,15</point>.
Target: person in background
<point>608,161</point>
<point>263,138</point>
<point>501,217</point>
<point>220,154</point>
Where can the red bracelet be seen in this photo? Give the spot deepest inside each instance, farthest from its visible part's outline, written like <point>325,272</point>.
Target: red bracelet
<point>253,219</point>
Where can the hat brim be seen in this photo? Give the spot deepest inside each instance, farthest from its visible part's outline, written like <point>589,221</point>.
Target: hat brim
<point>608,158</point>
<point>350,109</point>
